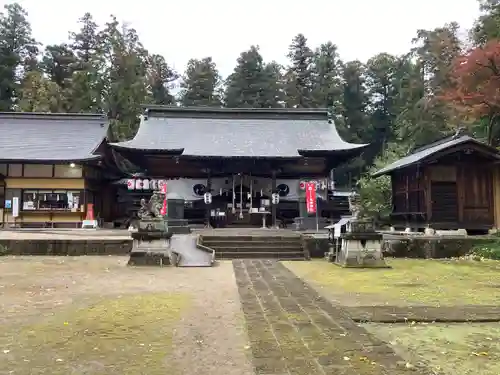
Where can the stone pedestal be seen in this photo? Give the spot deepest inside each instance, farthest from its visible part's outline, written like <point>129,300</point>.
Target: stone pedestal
<point>361,246</point>
<point>152,248</point>
<point>172,225</point>
<point>175,216</point>
<point>175,208</point>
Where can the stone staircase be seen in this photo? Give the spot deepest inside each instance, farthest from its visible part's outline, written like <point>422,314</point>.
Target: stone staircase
<point>256,246</point>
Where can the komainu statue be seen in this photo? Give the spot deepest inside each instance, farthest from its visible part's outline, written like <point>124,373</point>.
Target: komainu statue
<point>152,209</point>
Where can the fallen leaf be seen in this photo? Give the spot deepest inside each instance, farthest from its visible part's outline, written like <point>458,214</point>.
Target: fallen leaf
<point>6,351</point>
<point>346,358</point>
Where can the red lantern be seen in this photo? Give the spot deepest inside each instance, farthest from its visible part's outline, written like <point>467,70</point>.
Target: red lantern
<point>302,185</point>
<point>130,184</point>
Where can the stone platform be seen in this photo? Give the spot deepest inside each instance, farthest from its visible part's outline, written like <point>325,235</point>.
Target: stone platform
<point>72,242</point>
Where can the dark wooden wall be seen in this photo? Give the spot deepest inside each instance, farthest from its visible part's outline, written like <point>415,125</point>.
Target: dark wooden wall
<point>459,195</point>
<point>408,191</point>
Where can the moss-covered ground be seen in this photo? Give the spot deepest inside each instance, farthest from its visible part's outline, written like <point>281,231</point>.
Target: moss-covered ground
<point>409,281</point>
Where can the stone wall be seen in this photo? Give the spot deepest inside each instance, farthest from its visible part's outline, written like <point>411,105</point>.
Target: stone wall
<point>431,247</point>
<point>65,247</point>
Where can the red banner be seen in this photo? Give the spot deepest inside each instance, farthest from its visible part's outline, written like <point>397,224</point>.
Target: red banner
<point>311,197</point>
<point>163,211</point>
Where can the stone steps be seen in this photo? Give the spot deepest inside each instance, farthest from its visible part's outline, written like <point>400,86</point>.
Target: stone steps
<point>253,244</point>
<point>284,255</point>
<point>257,246</point>
<point>258,249</point>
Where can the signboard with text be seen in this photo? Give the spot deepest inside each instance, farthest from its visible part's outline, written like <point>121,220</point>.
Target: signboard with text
<point>311,197</point>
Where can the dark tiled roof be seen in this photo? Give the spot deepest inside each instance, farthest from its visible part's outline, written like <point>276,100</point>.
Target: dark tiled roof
<point>47,136</point>
<point>237,132</point>
<point>423,153</point>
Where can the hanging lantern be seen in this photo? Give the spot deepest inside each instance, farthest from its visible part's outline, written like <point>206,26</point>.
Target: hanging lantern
<point>130,184</point>
<point>153,185</point>
<point>138,184</point>
<point>302,185</point>
<point>145,184</point>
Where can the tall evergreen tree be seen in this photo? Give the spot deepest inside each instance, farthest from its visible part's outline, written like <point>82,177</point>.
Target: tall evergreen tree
<point>487,27</point>
<point>87,87</point>
<point>381,81</point>
<point>424,76</point>
<point>39,94</point>
<point>18,50</point>
<point>299,76</point>
<point>201,84</point>
<point>161,79</point>
<point>58,63</point>
<point>327,78</point>
<point>125,82</point>
<point>354,105</point>
<point>252,84</point>
<point>274,95</point>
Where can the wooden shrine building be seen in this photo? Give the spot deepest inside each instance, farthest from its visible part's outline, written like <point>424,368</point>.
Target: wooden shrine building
<point>448,184</point>
<point>240,156</point>
<point>50,168</point>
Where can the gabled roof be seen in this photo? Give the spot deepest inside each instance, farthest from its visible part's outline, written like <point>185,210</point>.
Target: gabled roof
<point>246,132</point>
<point>428,151</point>
<point>50,136</point>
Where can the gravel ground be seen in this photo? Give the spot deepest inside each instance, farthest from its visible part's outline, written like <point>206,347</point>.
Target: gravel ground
<point>210,338</point>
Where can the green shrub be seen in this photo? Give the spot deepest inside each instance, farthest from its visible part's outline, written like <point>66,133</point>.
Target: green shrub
<point>490,250</point>
<point>375,193</point>
<point>4,250</point>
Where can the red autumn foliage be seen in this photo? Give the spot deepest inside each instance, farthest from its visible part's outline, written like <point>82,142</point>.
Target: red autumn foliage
<point>475,89</point>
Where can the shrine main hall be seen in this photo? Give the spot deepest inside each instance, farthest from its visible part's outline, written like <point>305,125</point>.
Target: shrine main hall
<point>249,161</point>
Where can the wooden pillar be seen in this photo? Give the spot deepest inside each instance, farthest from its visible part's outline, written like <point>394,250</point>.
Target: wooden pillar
<point>273,206</point>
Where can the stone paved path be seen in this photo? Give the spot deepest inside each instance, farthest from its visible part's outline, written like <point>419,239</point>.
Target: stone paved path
<point>294,331</point>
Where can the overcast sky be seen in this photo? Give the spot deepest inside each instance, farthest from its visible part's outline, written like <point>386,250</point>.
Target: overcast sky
<point>180,30</point>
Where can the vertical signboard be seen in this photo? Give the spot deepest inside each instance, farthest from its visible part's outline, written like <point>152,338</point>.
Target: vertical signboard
<point>15,207</point>
<point>311,197</point>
